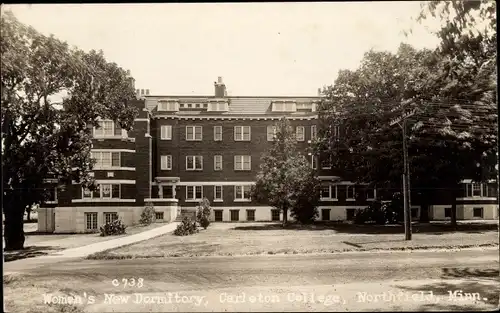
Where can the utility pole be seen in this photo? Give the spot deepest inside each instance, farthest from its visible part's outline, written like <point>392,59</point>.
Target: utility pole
<point>406,172</point>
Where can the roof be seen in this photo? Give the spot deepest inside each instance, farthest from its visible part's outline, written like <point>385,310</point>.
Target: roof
<point>238,105</point>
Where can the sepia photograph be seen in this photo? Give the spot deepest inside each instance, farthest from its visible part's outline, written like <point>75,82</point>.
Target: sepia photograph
<point>250,157</point>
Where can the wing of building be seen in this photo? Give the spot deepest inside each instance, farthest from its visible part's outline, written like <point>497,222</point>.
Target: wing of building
<point>185,148</point>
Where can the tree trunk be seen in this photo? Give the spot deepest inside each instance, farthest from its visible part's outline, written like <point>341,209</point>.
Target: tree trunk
<point>453,213</point>
<point>285,216</point>
<point>424,211</point>
<point>13,229</point>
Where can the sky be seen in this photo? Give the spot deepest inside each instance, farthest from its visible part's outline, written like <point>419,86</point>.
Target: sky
<point>260,49</point>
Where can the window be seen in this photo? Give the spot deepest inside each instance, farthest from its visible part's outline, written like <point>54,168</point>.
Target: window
<point>281,106</point>
<point>235,215</point>
<point>110,217</point>
<point>166,132</point>
<point>167,192</point>
<point>475,190</point>
<point>218,133</point>
<point>250,215</point>
<point>300,133</point>
<point>242,192</point>
<point>166,162</point>
<point>159,216</point>
<point>447,212</point>
<point>242,133</point>
<point>194,162</point>
<point>91,221</point>
<point>218,193</point>
<point>350,214</point>
<point>105,128</point>
<point>325,214</point>
<point>336,132</point>
<point>313,132</point>
<point>218,106</point>
<point>194,133</point>
<point>314,161</point>
<point>106,159</point>
<point>350,192</point>
<point>103,191</point>
<point>117,130</point>
<point>478,212</point>
<point>328,192</point>
<point>242,162</point>
<point>271,132</point>
<point>218,215</point>
<point>217,162</point>
<point>275,215</point>
<point>86,193</point>
<point>370,193</point>
<point>110,191</point>
<point>168,106</point>
<point>194,192</point>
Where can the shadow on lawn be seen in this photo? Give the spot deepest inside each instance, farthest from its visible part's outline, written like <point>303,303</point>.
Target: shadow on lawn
<point>434,228</point>
<point>29,252</point>
<point>488,293</point>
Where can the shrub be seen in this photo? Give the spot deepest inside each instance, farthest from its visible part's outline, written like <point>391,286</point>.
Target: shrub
<point>115,227</point>
<point>204,222</point>
<point>305,209</point>
<point>203,213</point>
<point>148,215</point>
<point>186,227</point>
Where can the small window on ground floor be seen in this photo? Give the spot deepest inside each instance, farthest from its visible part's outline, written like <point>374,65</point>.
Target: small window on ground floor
<point>275,215</point>
<point>447,212</point>
<point>159,216</point>
<point>350,213</point>
<point>218,215</point>
<point>91,221</point>
<point>110,217</point>
<point>250,215</point>
<point>325,214</point>
<point>478,212</point>
<point>235,215</point>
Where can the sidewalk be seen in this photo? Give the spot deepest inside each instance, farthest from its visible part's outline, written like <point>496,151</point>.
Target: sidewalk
<point>81,252</point>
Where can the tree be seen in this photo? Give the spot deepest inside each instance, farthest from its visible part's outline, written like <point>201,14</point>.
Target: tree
<point>441,151</point>
<point>203,213</point>
<point>468,80</point>
<point>286,180</point>
<point>41,138</point>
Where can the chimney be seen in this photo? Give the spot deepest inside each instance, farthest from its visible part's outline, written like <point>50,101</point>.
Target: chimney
<point>220,88</point>
<point>138,93</point>
<point>147,92</point>
<point>131,81</point>
<point>142,92</point>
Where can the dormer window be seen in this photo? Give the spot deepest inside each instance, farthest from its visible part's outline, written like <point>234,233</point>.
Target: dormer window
<point>169,105</point>
<point>218,106</point>
<point>284,106</point>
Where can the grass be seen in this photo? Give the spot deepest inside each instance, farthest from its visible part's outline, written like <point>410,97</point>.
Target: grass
<point>232,239</point>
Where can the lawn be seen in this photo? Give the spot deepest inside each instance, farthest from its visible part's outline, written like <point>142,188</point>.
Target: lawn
<point>42,244</point>
<point>226,239</point>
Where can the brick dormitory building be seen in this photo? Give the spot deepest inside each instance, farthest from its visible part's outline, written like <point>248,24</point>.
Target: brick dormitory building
<point>185,148</point>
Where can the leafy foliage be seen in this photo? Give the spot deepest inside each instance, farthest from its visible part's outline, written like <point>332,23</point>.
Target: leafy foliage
<point>115,227</point>
<point>148,215</point>
<point>46,139</point>
<point>186,227</point>
<point>286,180</point>
<point>203,213</point>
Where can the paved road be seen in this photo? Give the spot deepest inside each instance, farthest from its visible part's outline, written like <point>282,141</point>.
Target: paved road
<point>228,283</point>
